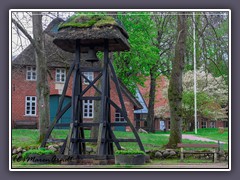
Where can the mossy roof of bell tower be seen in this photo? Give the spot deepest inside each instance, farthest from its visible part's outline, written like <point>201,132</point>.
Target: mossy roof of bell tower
<point>85,21</point>
<point>92,30</point>
<point>91,21</point>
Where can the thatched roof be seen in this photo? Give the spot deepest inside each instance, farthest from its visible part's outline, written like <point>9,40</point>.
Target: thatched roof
<point>92,30</point>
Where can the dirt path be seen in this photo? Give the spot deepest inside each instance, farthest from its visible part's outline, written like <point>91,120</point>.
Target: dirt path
<point>196,138</point>
<point>152,166</point>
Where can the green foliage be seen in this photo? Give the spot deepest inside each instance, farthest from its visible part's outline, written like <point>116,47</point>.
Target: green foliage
<point>129,152</point>
<point>134,65</point>
<point>40,151</point>
<point>206,105</point>
<point>151,39</point>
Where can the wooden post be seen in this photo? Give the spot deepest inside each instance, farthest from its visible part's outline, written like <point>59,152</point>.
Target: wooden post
<point>67,148</point>
<point>181,155</point>
<point>215,156</point>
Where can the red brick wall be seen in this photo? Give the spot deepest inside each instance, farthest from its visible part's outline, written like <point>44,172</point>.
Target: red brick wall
<point>160,100</point>
<point>22,87</point>
<point>129,106</point>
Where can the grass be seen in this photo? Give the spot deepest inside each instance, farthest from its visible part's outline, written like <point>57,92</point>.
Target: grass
<point>26,138</point>
<point>212,133</point>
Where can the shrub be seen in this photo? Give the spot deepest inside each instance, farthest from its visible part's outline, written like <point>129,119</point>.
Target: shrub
<point>40,151</point>
<point>129,152</point>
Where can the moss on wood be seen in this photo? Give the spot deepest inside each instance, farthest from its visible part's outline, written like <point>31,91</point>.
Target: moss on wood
<point>85,21</point>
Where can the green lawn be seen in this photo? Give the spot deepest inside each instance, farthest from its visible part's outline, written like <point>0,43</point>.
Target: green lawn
<point>27,138</point>
<point>212,133</point>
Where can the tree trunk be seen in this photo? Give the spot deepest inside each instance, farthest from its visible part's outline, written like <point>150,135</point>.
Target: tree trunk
<point>42,83</point>
<point>150,116</point>
<point>97,114</point>
<point>175,85</point>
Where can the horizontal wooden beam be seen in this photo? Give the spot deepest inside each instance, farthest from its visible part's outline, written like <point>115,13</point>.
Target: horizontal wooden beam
<point>55,140</point>
<point>90,69</point>
<point>83,140</point>
<point>119,124</point>
<point>86,124</point>
<point>90,98</point>
<point>180,145</point>
<point>62,125</point>
<point>103,140</point>
<point>90,124</point>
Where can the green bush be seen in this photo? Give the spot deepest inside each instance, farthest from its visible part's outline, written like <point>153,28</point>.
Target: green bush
<point>129,152</point>
<point>40,151</point>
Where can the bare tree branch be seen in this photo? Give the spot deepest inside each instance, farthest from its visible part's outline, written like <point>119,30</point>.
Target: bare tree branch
<point>24,31</point>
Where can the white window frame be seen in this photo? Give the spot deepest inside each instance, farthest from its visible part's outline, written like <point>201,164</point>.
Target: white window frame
<point>89,76</point>
<point>205,125</point>
<point>30,106</point>
<point>30,71</point>
<point>88,108</point>
<point>62,72</point>
<point>118,117</point>
<point>212,124</point>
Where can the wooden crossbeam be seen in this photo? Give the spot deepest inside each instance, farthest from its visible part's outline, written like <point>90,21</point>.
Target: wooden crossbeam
<point>55,140</point>
<point>197,145</point>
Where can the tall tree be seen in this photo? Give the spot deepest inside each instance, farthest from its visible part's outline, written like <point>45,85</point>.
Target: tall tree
<point>164,40</point>
<point>151,39</point>
<point>175,84</point>
<point>41,67</point>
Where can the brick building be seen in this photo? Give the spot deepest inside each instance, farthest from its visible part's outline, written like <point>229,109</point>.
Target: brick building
<point>24,99</point>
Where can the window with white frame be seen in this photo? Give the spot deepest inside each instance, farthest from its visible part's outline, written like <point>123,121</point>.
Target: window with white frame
<point>212,124</point>
<point>88,108</point>
<point>204,124</point>
<point>31,74</point>
<point>60,75</point>
<point>89,76</point>
<point>30,105</point>
<point>119,117</point>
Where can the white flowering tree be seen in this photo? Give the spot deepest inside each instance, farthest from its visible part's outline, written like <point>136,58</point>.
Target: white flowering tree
<point>214,87</point>
<point>212,94</point>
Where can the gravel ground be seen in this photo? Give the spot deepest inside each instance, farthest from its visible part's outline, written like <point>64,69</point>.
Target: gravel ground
<point>196,138</point>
